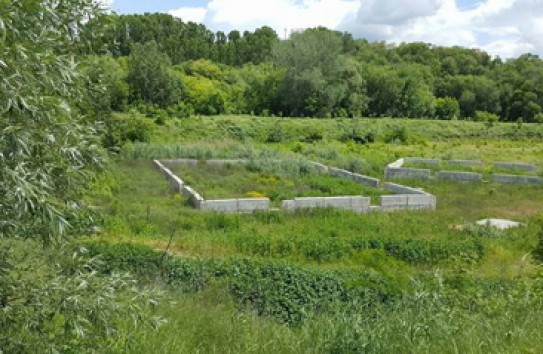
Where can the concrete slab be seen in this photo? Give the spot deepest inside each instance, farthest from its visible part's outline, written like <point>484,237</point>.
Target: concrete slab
<point>501,224</point>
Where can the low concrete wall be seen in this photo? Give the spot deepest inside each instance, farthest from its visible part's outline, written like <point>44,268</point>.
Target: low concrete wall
<point>192,196</point>
<point>406,173</point>
<point>176,182</point>
<point>352,203</point>
<point>500,178</point>
<point>459,176</point>
<point>515,166</point>
<point>467,163</point>
<point>337,172</point>
<point>408,202</point>
<point>320,167</point>
<point>399,189</point>
<point>422,160</point>
<point>194,162</point>
<point>396,164</point>
<point>236,205</point>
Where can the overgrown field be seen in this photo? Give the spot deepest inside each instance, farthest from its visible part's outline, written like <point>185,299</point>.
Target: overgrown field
<point>275,180</point>
<point>326,280</point>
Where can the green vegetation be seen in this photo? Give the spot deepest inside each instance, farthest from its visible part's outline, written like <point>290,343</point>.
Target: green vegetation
<point>319,73</point>
<point>83,239</point>
<point>262,179</point>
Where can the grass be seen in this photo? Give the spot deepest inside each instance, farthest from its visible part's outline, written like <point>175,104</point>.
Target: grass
<point>240,181</point>
<point>486,296</point>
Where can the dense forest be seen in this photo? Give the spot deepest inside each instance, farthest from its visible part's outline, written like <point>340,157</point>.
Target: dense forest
<point>156,62</point>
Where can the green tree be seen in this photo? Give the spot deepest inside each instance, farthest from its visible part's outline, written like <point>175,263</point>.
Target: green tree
<point>151,78</point>
<point>447,108</point>
<point>48,153</point>
<point>107,87</point>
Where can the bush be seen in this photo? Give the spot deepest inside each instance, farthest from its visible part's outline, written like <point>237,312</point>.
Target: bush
<point>447,108</point>
<point>131,127</point>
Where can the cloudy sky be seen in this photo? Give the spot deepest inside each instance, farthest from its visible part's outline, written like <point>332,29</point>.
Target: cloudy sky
<point>502,27</point>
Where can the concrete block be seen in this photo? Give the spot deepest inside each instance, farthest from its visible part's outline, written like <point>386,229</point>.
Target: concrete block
<point>397,164</point>
<point>320,167</point>
<point>400,189</point>
<point>410,173</point>
<point>288,205</point>
<point>459,176</point>
<point>311,203</point>
<point>338,172</point>
<point>466,163</point>
<point>252,205</point>
<point>221,206</point>
<point>192,196</point>
<point>338,202</point>
<point>515,166</point>
<point>417,202</point>
<point>421,160</point>
<point>500,178</point>
<point>369,181</point>
<point>394,201</point>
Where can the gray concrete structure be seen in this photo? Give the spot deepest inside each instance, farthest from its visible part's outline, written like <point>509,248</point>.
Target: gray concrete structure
<point>236,205</point>
<point>396,164</point>
<point>357,204</point>
<point>515,166</point>
<point>412,198</point>
<point>459,176</point>
<point>408,202</point>
<point>406,173</point>
<point>400,189</point>
<point>465,163</point>
<point>501,178</point>
<point>337,172</point>
<point>422,160</point>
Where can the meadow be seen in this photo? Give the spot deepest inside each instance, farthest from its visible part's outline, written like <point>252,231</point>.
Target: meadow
<point>327,280</point>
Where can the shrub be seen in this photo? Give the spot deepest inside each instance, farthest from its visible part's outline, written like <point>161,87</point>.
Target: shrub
<point>131,127</point>
<point>447,108</point>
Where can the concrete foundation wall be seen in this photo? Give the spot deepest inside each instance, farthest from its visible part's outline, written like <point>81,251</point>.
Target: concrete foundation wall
<point>176,182</point>
<point>236,205</point>
<point>423,160</point>
<point>466,163</point>
<point>192,196</point>
<point>352,203</point>
<point>337,172</point>
<point>194,162</point>
<point>408,202</point>
<point>406,173</point>
<point>320,167</point>
<point>459,176</point>
<point>515,166</point>
<point>396,164</point>
<point>516,179</point>
<point>399,189</point>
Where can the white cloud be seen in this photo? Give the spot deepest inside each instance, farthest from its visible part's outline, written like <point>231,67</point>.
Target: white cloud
<point>243,15</point>
<point>190,14</point>
<point>502,27</point>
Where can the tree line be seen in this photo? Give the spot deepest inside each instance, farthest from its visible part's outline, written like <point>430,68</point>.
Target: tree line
<point>156,59</point>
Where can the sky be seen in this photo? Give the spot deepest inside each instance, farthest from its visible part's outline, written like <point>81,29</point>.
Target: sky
<point>506,28</point>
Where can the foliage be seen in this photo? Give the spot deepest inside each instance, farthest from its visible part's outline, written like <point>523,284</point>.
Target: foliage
<point>131,127</point>
<point>151,78</point>
<point>66,305</point>
<point>48,150</point>
<point>447,108</point>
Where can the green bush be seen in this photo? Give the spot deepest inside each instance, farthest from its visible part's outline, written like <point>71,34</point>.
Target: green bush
<point>123,128</point>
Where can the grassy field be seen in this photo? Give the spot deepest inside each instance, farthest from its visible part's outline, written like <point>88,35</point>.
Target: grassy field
<point>255,180</point>
<point>330,281</point>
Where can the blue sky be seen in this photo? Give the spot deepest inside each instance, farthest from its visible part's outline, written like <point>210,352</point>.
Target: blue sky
<point>502,27</point>
<point>131,6</point>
